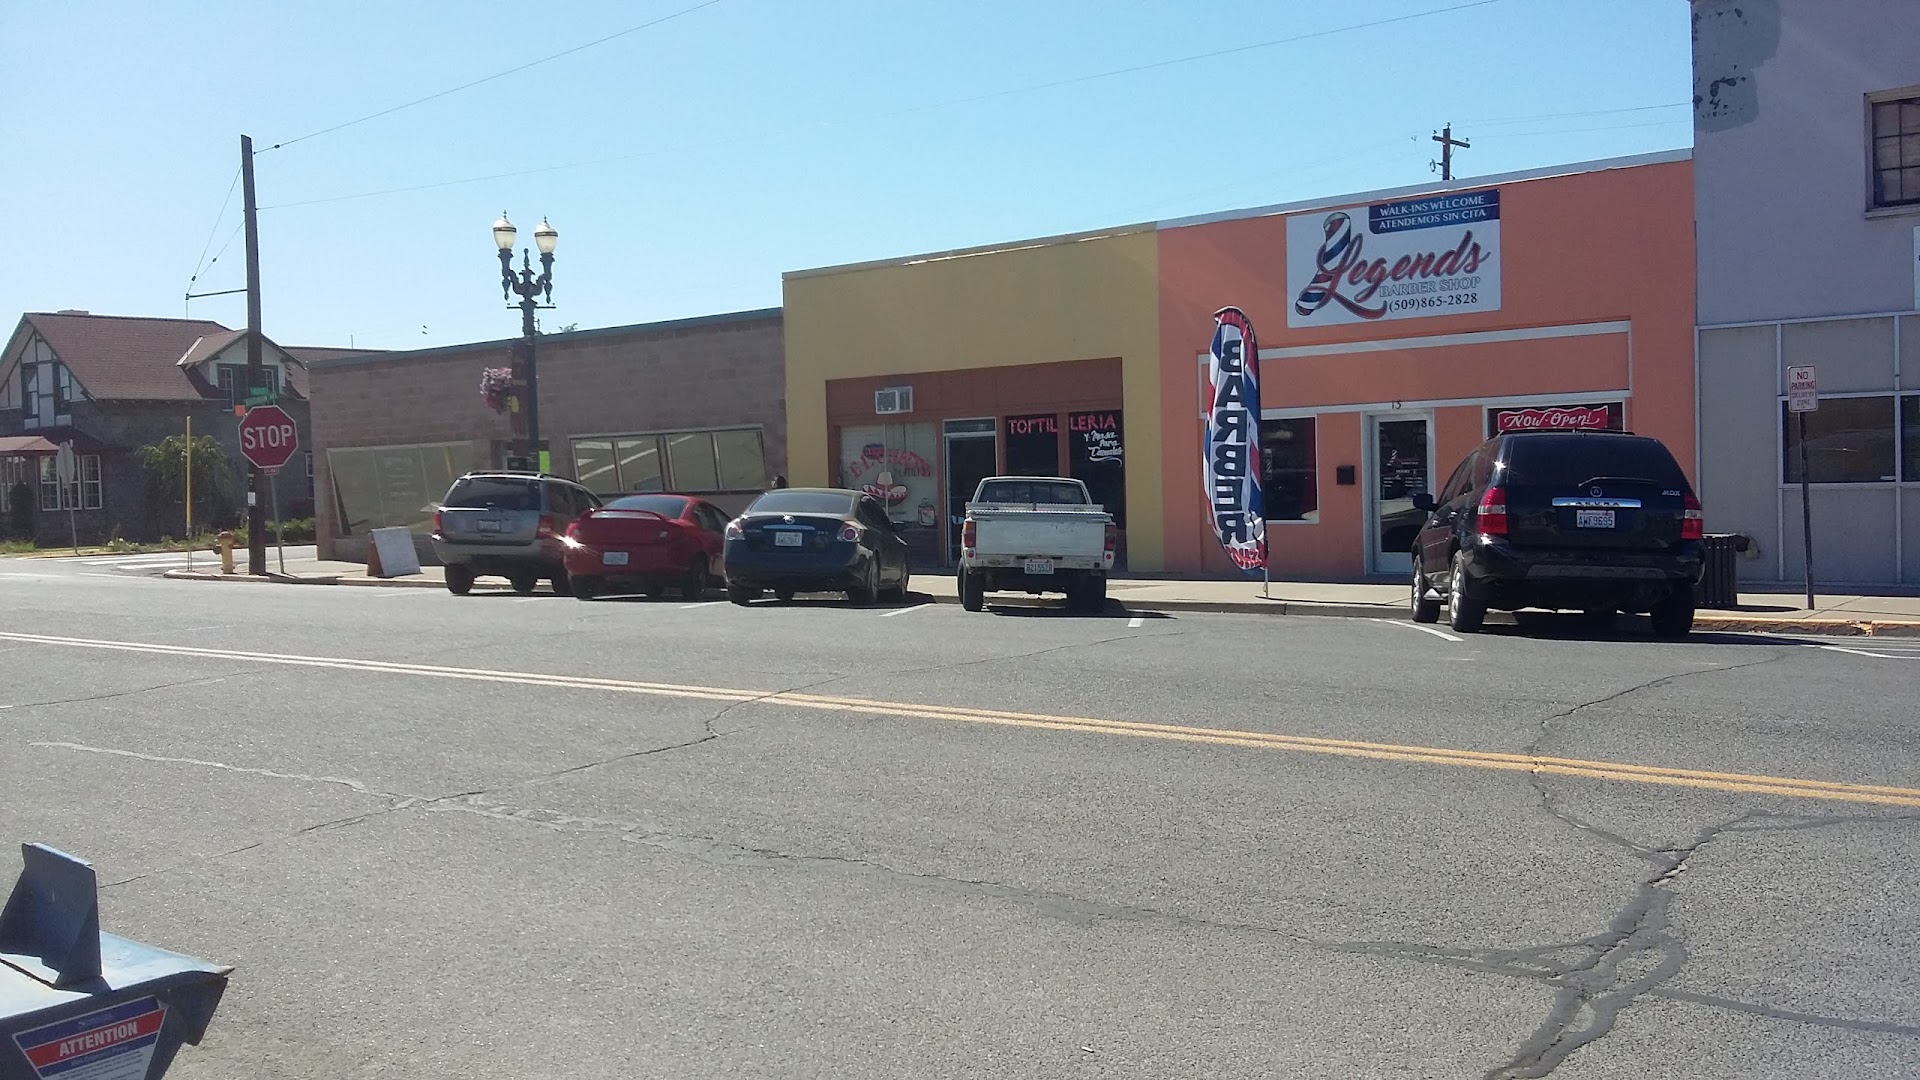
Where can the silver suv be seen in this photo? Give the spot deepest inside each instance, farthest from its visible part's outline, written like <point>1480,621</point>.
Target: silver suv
<point>508,524</point>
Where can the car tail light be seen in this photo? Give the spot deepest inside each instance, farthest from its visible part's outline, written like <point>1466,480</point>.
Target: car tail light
<point>850,533</point>
<point>549,525</point>
<point>1492,515</point>
<point>1113,537</point>
<point>573,531</point>
<point>436,521</point>
<point>1693,520</point>
<point>966,537</point>
<point>735,532</point>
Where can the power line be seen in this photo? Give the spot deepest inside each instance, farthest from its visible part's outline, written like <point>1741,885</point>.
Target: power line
<point>201,265</point>
<point>973,99</point>
<point>496,75</point>
<point>1078,79</point>
<point>1577,131</point>
<point>1571,115</point>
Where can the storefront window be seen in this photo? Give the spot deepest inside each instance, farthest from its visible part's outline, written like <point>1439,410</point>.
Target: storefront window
<point>1289,480</point>
<point>379,487</point>
<point>594,465</point>
<point>1096,453</point>
<point>639,465</point>
<point>743,462</point>
<point>894,464</point>
<point>1849,441</point>
<point>732,459</point>
<point>690,455</point>
<point>1910,438</point>
<point>1033,445</point>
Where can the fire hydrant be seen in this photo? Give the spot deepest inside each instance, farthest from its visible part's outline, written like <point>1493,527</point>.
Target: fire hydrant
<point>226,551</point>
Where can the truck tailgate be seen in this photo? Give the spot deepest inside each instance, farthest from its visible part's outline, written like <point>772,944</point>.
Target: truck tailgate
<point>1056,534</point>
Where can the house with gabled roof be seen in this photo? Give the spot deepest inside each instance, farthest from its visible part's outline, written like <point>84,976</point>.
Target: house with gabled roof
<point>108,385</point>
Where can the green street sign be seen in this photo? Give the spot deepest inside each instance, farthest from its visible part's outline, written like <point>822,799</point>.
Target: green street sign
<point>260,396</point>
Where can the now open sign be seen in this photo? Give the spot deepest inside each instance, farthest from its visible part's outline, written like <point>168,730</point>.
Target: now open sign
<point>268,437</point>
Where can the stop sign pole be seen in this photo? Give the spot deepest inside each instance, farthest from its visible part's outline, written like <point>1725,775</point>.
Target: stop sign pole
<point>268,438</point>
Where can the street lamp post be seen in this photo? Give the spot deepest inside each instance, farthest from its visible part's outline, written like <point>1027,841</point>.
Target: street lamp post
<point>527,287</point>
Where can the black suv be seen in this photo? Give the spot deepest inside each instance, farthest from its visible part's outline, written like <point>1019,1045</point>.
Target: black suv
<point>1599,522</point>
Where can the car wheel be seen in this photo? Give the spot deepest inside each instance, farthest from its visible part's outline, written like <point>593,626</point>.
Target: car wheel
<point>785,596</point>
<point>562,583</point>
<point>742,595</point>
<point>1093,594</point>
<point>1465,613</point>
<point>868,591</point>
<point>694,586</point>
<point>1673,617</point>
<point>1426,606</point>
<point>524,584</point>
<point>459,580</point>
<point>973,592</point>
<point>585,588</point>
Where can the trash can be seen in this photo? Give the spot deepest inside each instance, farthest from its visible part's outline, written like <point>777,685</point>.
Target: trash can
<point>1720,585</point>
<point>77,1003</point>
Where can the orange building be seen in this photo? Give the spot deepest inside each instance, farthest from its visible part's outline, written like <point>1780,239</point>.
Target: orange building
<point>1397,330</point>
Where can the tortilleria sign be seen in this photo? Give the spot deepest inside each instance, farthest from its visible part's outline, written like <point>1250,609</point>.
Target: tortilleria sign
<point>1438,255</point>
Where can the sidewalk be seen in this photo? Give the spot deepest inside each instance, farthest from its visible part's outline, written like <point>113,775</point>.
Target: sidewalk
<point>1837,613</point>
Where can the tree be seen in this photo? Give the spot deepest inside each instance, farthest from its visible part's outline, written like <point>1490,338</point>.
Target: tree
<point>22,501</point>
<point>166,466</point>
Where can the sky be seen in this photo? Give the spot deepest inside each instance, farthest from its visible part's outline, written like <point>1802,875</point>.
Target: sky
<point>689,163</point>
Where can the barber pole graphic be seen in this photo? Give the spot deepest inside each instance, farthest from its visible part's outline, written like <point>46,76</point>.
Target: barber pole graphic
<point>1230,461</point>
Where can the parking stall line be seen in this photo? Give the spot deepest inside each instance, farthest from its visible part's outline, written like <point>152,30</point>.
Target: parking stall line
<point>903,610</point>
<point>703,603</point>
<point>1136,622</point>
<point>1435,631</point>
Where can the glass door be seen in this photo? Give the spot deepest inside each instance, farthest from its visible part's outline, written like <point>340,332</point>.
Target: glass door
<point>1400,461</point>
<point>972,455</point>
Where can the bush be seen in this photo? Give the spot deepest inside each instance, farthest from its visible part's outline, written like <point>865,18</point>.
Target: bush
<point>294,530</point>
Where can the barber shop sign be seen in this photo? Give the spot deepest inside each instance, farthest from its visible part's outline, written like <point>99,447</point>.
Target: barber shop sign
<point>1437,255</point>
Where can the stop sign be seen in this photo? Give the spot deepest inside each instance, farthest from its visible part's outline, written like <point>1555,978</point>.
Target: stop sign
<point>268,437</point>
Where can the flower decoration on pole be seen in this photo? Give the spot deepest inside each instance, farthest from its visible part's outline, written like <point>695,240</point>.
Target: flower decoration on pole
<point>496,389</point>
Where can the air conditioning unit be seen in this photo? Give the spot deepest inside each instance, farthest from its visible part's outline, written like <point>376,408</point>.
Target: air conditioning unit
<point>894,399</point>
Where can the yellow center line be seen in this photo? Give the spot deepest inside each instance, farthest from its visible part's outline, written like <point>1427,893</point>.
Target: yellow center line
<point>1791,787</point>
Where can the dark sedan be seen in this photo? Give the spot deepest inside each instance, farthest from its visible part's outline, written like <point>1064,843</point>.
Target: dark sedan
<point>796,540</point>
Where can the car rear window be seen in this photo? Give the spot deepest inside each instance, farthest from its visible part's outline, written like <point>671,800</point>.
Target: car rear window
<point>1571,460</point>
<point>664,505</point>
<point>493,493</point>
<point>1032,491</point>
<point>802,502</point>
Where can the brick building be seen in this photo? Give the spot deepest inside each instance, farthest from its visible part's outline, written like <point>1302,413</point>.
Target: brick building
<point>694,405</point>
<point>112,384</point>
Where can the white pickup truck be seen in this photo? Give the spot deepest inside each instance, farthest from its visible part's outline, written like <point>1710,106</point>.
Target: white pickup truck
<point>1035,534</point>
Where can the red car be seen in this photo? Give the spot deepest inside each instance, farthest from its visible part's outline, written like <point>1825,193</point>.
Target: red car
<point>645,543</point>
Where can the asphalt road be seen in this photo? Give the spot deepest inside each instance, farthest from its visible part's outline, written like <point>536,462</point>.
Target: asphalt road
<point>501,836</point>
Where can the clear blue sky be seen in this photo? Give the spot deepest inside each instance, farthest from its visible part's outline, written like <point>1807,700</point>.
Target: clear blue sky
<point>722,147</point>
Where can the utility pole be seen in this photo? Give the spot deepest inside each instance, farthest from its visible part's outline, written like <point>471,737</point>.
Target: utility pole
<point>1447,143</point>
<point>256,373</point>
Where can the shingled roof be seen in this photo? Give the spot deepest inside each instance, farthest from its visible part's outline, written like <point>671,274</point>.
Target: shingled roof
<point>131,358</point>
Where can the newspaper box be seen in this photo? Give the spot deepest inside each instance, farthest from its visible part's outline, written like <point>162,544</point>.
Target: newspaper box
<point>77,1004</point>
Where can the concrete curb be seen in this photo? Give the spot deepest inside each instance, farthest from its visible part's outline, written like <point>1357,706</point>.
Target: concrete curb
<point>1730,623</point>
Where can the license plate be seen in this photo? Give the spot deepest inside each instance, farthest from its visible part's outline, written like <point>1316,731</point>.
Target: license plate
<point>788,539</point>
<point>613,558</point>
<point>1039,566</point>
<point>488,526</point>
<point>1593,519</point>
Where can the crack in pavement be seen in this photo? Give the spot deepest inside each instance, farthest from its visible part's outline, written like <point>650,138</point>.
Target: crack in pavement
<point>1538,780</point>
<point>1597,977</point>
<point>134,692</point>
